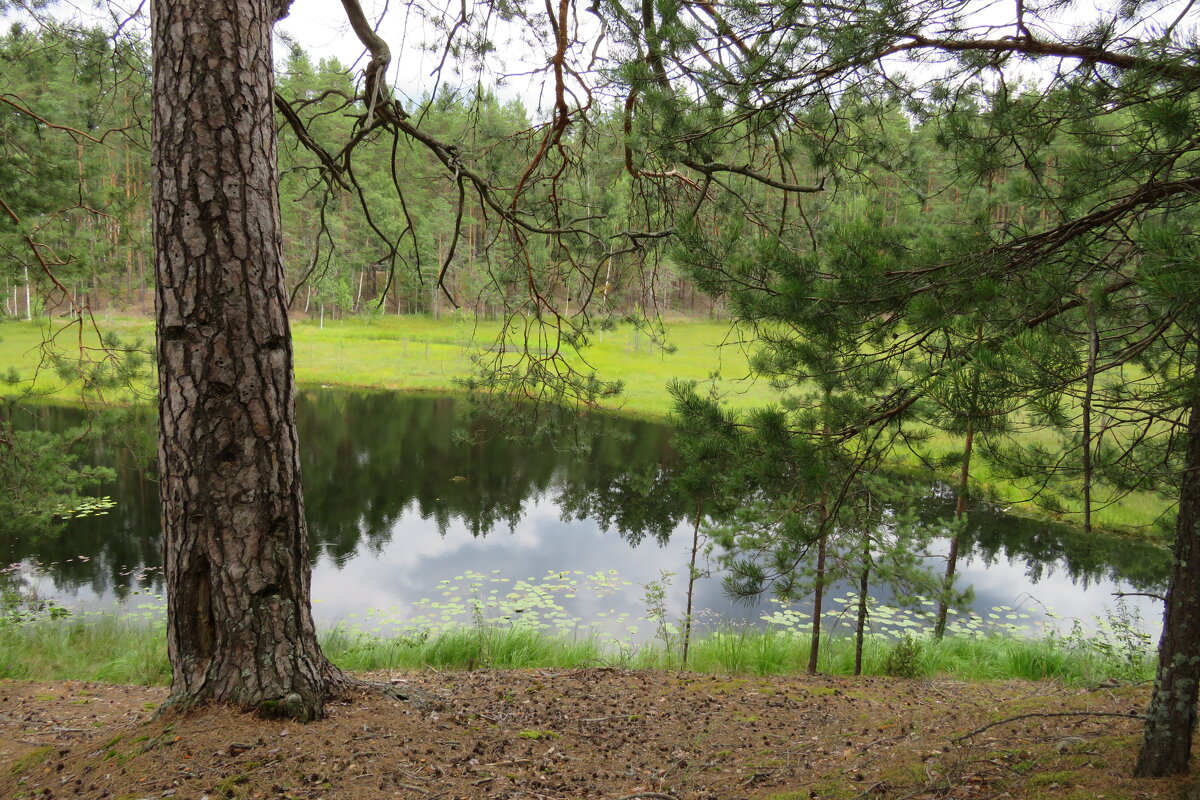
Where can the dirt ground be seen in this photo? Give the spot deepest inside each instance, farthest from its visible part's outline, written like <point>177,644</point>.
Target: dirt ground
<point>589,733</point>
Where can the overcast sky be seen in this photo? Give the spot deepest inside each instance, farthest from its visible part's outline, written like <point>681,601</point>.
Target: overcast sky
<point>516,67</point>
<point>322,29</point>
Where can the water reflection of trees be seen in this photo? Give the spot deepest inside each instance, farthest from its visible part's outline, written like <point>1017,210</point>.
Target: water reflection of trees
<point>1045,546</point>
<point>371,458</point>
<point>102,552</point>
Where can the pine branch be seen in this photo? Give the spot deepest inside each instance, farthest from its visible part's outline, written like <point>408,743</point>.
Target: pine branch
<point>1032,47</point>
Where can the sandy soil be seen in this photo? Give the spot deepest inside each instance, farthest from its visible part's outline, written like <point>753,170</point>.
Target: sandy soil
<point>589,733</point>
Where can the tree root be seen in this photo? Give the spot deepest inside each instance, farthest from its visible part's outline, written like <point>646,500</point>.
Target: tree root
<point>336,685</point>
<point>417,698</point>
<point>341,683</point>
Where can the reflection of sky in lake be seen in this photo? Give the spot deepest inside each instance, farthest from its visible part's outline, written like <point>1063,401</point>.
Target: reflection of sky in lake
<point>377,588</point>
<point>412,564</point>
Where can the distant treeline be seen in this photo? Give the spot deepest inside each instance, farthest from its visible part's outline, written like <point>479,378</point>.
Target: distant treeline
<point>75,164</point>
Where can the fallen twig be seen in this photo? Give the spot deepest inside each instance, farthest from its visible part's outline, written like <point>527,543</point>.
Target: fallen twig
<point>869,790</point>
<point>977,731</point>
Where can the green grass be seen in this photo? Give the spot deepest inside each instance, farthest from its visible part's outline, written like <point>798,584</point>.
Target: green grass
<point>994,657</point>
<point>425,354</point>
<point>27,350</point>
<point>133,651</point>
<point>422,354</point>
<point>105,648</point>
<point>460,648</point>
<point>1136,512</point>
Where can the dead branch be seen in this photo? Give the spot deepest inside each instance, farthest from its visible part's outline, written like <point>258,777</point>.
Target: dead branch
<point>1019,717</point>
<point>73,131</point>
<point>1158,597</point>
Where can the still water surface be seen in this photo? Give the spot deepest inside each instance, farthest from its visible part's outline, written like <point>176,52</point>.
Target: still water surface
<point>410,525</point>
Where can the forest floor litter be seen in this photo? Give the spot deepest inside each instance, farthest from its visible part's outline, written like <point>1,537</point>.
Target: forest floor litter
<point>579,734</point>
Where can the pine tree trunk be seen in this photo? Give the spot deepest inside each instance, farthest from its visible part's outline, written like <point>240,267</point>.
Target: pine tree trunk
<point>1088,398</point>
<point>864,586</point>
<point>1171,718</point>
<point>240,627</point>
<point>960,508</point>
<point>814,644</point>
<point>687,617</point>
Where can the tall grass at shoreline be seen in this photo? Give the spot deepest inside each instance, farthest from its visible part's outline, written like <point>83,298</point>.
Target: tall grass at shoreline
<point>108,647</point>
<point>113,649</point>
<point>482,620</point>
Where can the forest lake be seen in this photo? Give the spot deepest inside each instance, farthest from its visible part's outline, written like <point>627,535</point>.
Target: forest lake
<point>413,528</point>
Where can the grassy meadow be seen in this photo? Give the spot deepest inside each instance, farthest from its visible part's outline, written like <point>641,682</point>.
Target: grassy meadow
<point>416,353</point>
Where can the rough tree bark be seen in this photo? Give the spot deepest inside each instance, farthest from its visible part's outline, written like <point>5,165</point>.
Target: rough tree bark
<point>240,627</point>
<point>1171,718</point>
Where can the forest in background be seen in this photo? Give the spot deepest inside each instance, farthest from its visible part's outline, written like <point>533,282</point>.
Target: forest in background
<point>75,139</point>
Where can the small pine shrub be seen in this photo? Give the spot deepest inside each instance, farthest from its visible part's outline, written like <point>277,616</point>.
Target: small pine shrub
<point>903,659</point>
